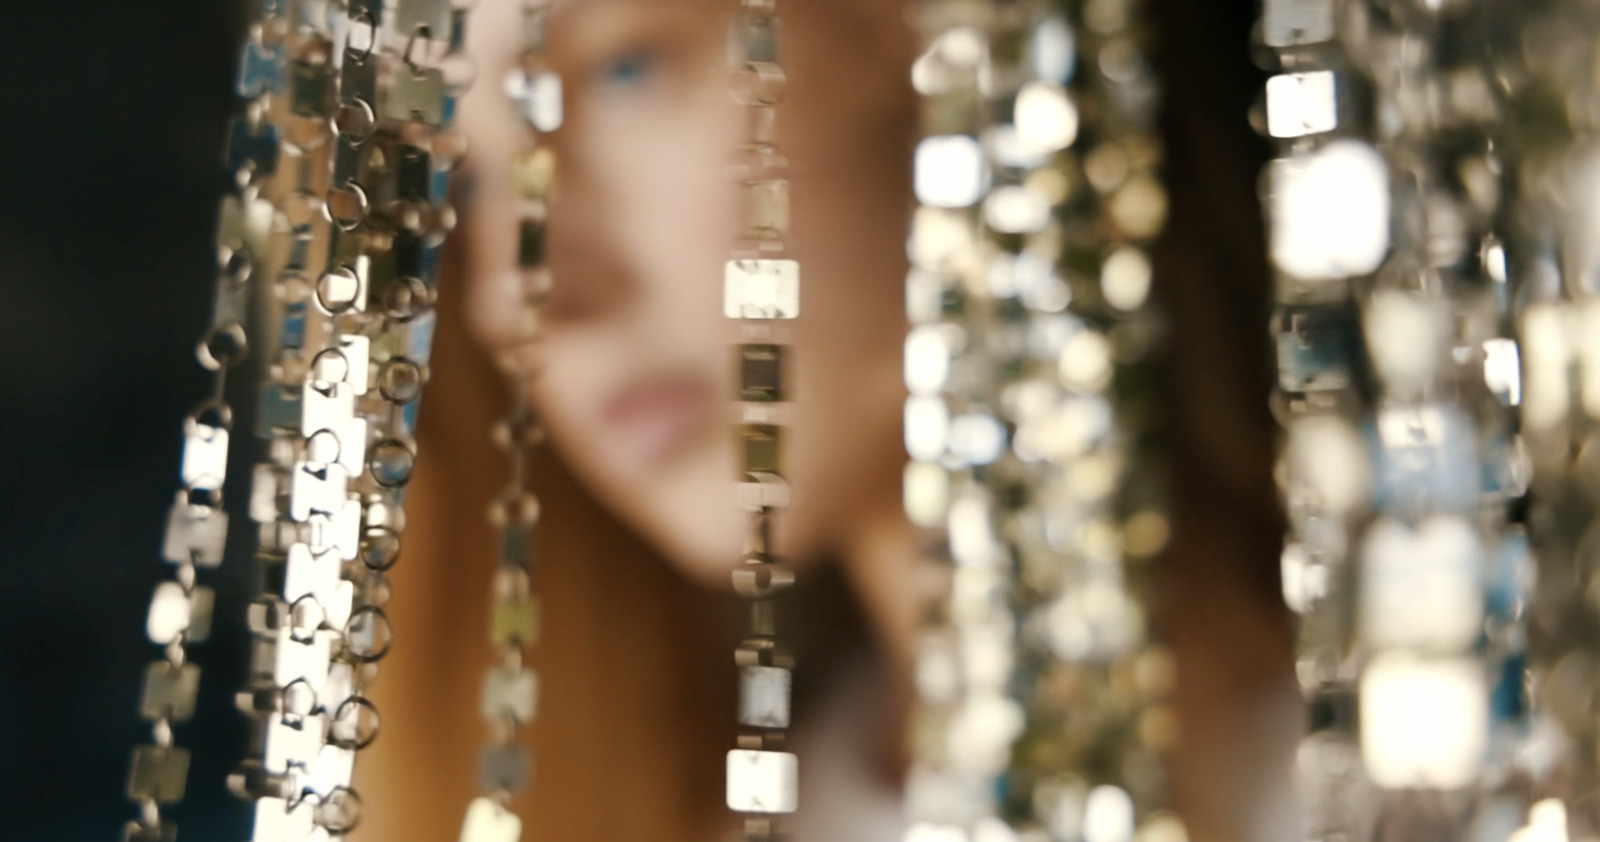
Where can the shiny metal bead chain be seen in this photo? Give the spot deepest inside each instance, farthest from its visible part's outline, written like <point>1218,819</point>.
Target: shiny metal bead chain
<point>353,117</point>
<point>197,524</point>
<point>761,287</point>
<point>1397,374</point>
<point>1546,58</point>
<point>1041,692</point>
<point>510,686</point>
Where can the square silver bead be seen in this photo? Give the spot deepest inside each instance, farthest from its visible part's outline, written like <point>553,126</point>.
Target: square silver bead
<point>539,98</point>
<point>197,535</point>
<point>761,370</point>
<point>433,14</point>
<point>326,406</point>
<point>950,171</point>
<point>340,531</point>
<point>1286,23</point>
<point>415,96</point>
<point>1300,104</point>
<point>169,691</point>
<point>510,694</point>
<point>205,455</point>
<point>277,821</point>
<point>159,773</point>
<point>1314,238</point>
<point>764,697</point>
<point>489,822</point>
<point>763,781</point>
<point>317,488</point>
<point>504,767</point>
<point>293,744</point>
<point>761,449</point>
<point>763,491</point>
<point>357,351</point>
<point>174,613</point>
<point>761,289</point>
<point>317,575</point>
<point>333,769</point>
<point>757,34</point>
<point>765,209</point>
<point>293,660</point>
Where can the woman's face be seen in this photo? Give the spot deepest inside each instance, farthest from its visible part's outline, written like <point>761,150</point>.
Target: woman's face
<point>636,358</point>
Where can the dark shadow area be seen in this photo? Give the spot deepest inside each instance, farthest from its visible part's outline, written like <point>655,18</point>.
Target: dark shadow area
<point>114,122</point>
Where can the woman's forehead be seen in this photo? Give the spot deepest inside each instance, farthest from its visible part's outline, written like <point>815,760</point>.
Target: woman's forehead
<point>566,9</point>
<point>497,24</point>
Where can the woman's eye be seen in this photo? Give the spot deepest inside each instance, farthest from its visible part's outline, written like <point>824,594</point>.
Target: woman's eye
<point>628,69</point>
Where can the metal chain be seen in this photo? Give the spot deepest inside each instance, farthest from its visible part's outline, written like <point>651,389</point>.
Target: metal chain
<point>762,291</point>
<point>966,717</point>
<point>1547,57</point>
<point>510,686</point>
<point>1396,374</point>
<point>1042,696</point>
<point>363,97</point>
<point>197,524</point>
<point>1078,496</point>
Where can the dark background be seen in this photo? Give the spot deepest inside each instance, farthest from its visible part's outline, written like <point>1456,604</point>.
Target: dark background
<point>110,173</point>
<point>114,114</point>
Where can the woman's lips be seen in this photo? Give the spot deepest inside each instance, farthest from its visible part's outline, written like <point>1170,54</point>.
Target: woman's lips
<point>652,418</point>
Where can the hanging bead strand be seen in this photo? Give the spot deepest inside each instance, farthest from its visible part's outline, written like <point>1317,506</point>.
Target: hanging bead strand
<point>197,526</point>
<point>1401,467</point>
<point>510,686</point>
<point>963,671</point>
<point>1318,398</point>
<point>1089,525</point>
<point>1548,57</point>
<point>370,139</point>
<point>761,287</point>
<point>1027,365</point>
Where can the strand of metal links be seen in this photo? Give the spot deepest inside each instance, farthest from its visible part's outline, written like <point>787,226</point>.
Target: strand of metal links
<point>1037,180</point>
<point>762,292</point>
<point>197,526</point>
<point>1401,464</point>
<point>966,719</point>
<point>1079,498</point>
<point>510,686</point>
<point>366,120</point>
<point>1548,53</point>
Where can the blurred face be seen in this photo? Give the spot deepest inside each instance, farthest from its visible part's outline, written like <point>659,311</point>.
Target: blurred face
<point>637,375</point>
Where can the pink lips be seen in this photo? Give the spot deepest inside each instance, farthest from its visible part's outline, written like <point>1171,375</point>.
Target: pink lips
<point>652,418</point>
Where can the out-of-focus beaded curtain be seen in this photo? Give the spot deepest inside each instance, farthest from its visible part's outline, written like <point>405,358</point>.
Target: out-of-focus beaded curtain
<point>107,216</point>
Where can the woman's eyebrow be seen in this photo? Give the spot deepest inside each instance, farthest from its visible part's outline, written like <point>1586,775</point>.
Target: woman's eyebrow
<point>583,23</point>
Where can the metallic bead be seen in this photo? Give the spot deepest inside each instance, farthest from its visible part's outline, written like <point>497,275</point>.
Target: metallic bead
<point>762,781</point>
<point>158,774</point>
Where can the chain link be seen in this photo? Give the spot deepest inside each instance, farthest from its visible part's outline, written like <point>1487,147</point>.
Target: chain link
<point>1397,371</point>
<point>966,718</point>
<point>196,536</point>
<point>1042,697</point>
<point>197,524</point>
<point>510,686</point>
<point>1545,58</point>
<point>351,137</point>
<point>761,291</point>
